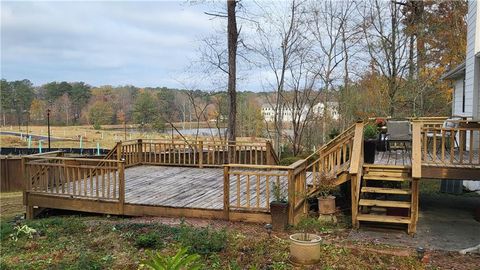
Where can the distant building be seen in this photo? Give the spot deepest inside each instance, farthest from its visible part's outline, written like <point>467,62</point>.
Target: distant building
<point>268,112</point>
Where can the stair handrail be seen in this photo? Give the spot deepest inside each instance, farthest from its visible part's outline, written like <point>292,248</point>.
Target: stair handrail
<point>271,153</point>
<point>356,170</point>
<point>332,142</point>
<point>356,162</point>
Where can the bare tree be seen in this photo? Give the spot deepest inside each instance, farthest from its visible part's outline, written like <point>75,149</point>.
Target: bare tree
<point>232,74</point>
<point>327,25</point>
<point>279,37</point>
<point>386,44</point>
<point>303,98</point>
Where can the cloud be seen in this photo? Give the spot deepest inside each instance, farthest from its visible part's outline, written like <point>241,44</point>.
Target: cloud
<point>140,43</point>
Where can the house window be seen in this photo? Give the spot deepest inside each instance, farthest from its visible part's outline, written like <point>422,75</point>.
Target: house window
<point>463,96</point>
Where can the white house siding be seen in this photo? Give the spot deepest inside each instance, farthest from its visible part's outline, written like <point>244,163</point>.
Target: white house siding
<point>472,72</point>
<point>458,98</point>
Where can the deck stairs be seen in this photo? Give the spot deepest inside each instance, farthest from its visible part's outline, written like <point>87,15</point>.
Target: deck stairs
<point>385,194</point>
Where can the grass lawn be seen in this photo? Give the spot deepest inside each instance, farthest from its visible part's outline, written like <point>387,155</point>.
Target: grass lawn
<point>102,242</point>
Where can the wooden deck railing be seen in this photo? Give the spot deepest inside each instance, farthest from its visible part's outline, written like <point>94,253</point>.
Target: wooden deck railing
<point>250,187</point>
<point>75,177</point>
<point>194,153</point>
<point>448,147</point>
<point>333,159</point>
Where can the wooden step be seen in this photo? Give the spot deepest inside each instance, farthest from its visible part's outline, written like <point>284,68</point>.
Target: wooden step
<point>386,190</point>
<point>386,167</point>
<point>387,174</point>
<point>386,178</point>
<point>381,218</point>
<point>399,204</point>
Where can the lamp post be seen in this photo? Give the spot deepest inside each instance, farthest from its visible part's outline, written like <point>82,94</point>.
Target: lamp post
<point>28,118</point>
<point>48,125</point>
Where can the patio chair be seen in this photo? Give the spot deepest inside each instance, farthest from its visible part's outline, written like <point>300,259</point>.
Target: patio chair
<point>398,132</point>
<point>449,123</point>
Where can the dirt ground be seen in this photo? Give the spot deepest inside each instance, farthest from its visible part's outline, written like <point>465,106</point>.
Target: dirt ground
<point>360,247</point>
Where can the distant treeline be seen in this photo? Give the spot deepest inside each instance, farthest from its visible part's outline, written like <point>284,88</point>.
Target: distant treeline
<point>77,103</point>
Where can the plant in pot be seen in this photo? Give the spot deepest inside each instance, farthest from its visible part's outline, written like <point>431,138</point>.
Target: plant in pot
<point>305,248</point>
<point>381,124</point>
<point>279,208</point>
<point>326,201</point>
<point>370,136</point>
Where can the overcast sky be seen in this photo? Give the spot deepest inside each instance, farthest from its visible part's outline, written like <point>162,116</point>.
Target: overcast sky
<point>115,43</point>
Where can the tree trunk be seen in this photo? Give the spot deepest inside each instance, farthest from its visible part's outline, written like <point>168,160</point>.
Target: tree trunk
<point>232,77</point>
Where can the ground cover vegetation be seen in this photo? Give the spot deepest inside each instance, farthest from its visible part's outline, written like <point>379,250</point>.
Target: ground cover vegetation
<point>69,240</point>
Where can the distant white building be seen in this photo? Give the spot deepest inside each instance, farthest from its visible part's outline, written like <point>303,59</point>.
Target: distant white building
<point>332,109</point>
<point>268,112</point>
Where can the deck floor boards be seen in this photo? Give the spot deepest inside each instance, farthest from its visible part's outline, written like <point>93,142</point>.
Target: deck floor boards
<point>403,158</point>
<point>190,187</point>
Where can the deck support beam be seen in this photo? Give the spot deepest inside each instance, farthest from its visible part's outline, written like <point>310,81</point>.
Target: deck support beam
<point>226,192</point>
<point>412,226</point>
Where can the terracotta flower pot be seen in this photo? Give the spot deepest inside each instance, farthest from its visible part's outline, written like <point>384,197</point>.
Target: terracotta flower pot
<point>326,205</point>
<point>279,213</point>
<point>305,248</point>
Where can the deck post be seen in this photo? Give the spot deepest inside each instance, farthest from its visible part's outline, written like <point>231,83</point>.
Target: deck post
<point>119,150</point>
<point>200,154</point>
<point>25,181</point>
<point>291,197</point>
<point>268,153</point>
<point>417,150</point>
<point>416,174</point>
<point>356,169</point>
<point>412,227</point>
<point>26,188</point>
<point>121,186</point>
<point>226,192</point>
<point>140,151</point>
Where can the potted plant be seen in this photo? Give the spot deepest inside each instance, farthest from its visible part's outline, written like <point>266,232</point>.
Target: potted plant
<point>370,134</point>
<point>279,209</point>
<point>326,201</point>
<point>305,248</point>
<point>381,124</point>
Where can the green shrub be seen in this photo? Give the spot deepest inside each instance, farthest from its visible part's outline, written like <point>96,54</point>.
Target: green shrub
<point>149,240</point>
<point>288,161</point>
<point>370,132</point>
<point>199,240</point>
<point>202,240</point>
<point>6,229</point>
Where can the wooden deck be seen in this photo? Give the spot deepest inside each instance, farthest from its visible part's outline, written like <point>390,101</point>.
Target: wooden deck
<point>196,179</point>
<point>182,187</point>
<point>394,157</point>
<point>404,158</point>
<point>187,187</point>
<point>174,186</point>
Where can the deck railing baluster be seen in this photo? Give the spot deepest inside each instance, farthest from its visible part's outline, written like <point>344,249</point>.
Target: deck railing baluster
<point>471,147</point>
